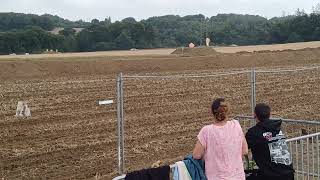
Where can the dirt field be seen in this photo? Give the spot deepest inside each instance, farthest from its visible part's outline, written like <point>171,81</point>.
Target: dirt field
<point>150,52</point>
<point>164,52</point>
<point>275,47</point>
<point>70,137</point>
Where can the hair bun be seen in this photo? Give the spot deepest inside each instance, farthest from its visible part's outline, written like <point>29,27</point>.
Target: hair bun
<point>220,109</point>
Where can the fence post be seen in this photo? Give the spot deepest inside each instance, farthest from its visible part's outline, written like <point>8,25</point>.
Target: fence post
<point>120,124</point>
<point>253,90</point>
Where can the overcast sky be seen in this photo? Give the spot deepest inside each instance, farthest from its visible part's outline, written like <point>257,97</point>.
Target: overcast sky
<point>142,9</point>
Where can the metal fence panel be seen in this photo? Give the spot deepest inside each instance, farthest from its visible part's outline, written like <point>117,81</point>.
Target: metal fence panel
<point>292,93</point>
<point>163,114</point>
<point>304,148</point>
<point>160,107</point>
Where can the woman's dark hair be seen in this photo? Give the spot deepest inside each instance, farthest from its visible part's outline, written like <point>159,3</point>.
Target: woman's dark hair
<point>262,111</point>
<point>220,109</point>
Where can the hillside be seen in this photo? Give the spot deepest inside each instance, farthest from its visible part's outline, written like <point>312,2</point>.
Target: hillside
<point>16,21</point>
<point>65,23</point>
<point>27,33</point>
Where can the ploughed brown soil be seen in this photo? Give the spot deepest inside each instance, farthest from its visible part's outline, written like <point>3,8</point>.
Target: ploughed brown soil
<point>70,137</point>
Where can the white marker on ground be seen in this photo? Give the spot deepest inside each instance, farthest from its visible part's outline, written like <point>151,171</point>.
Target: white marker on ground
<point>105,102</point>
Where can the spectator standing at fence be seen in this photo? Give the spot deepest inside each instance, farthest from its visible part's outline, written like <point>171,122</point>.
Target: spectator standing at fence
<point>269,148</point>
<point>222,145</point>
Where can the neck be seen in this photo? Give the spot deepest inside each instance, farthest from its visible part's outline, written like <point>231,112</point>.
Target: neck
<point>262,120</point>
<point>220,122</point>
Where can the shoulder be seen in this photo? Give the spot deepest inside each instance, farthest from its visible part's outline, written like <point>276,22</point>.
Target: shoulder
<point>252,131</point>
<point>234,122</point>
<point>205,128</point>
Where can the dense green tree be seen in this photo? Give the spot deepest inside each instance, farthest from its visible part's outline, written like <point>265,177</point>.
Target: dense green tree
<point>33,40</point>
<point>129,20</point>
<point>21,33</point>
<point>294,37</point>
<point>95,21</point>
<point>85,41</point>
<point>10,21</point>
<point>124,41</point>
<point>69,44</point>
<point>105,46</point>
<point>60,22</point>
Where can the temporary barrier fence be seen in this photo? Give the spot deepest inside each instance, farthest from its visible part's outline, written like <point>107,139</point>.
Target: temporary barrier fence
<point>305,126</point>
<point>303,143</point>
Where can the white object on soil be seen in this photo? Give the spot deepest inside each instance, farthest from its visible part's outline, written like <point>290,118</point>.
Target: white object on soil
<point>191,45</point>
<point>208,42</point>
<point>106,102</point>
<point>23,110</point>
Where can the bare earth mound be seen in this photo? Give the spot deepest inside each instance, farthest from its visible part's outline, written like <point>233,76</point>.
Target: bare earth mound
<point>203,51</point>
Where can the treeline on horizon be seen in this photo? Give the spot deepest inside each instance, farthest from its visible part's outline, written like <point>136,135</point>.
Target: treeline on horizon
<point>27,33</point>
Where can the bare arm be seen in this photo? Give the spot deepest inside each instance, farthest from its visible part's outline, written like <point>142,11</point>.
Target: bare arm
<point>245,150</point>
<point>198,151</point>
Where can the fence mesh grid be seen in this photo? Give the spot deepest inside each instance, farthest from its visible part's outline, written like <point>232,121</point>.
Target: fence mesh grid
<point>68,135</point>
<point>291,94</point>
<point>304,148</point>
<point>164,115</point>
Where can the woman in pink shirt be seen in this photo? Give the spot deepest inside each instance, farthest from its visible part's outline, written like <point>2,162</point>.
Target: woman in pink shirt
<point>222,145</point>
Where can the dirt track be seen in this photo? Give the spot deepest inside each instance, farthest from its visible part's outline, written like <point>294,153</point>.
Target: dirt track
<point>274,47</point>
<point>70,137</point>
<point>164,52</point>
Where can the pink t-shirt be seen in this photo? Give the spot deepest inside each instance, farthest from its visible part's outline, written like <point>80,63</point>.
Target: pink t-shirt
<point>223,151</point>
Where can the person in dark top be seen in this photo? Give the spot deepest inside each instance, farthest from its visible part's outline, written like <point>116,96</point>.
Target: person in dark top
<point>160,173</point>
<point>268,147</point>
